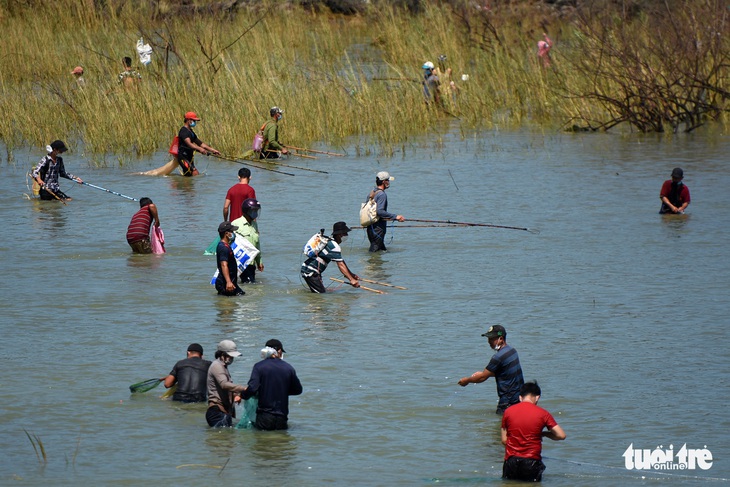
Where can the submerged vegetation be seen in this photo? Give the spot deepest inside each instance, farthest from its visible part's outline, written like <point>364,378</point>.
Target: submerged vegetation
<point>662,69</point>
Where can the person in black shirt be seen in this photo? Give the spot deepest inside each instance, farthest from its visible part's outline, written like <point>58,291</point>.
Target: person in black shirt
<point>188,143</point>
<point>190,375</point>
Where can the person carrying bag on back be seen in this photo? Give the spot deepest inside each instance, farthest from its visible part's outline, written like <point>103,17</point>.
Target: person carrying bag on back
<point>320,251</point>
<point>376,231</point>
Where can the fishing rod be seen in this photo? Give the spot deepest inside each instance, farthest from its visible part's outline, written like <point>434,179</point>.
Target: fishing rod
<point>251,164</point>
<point>315,151</point>
<point>381,283</point>
<point>261,161</point>
<point>361,287</point>
<point>108,190</point>
<point>466,224</point>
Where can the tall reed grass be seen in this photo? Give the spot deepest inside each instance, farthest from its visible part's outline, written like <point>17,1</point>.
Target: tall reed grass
<point>318,68</point>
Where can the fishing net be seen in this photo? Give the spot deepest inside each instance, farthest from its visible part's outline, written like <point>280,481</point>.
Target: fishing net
<point>248,415</point>
<point>144,386</point>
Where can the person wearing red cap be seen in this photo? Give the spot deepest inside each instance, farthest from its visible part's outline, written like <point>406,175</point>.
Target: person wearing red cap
<point>189,143</point>
<point>78,72</point>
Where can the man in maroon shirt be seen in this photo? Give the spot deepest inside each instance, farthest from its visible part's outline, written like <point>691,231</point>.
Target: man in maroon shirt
<point>523,427</point>
<point>237,195</point>
<point>674,194</point>
<point>138,232</point>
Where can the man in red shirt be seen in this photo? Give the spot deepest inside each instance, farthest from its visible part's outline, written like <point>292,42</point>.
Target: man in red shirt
<point>523,426</point>
<point>674,194</point>
<point>237,195</point>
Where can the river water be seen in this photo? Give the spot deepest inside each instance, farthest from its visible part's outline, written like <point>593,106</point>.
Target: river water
<point>620,313</point>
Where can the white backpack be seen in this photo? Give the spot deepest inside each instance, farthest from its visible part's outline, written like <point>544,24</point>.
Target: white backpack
<point>369,211</point>
<point>316,244</point>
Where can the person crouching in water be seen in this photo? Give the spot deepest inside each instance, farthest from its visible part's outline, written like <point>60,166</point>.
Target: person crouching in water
<point>138,231</point>
<point>313,267</point>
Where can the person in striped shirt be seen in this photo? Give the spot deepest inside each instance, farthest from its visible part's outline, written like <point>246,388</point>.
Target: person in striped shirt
<point>138,232</point>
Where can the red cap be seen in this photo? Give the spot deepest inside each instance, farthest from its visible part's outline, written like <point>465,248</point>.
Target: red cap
<point>78,70</point>
<point>191,116</point>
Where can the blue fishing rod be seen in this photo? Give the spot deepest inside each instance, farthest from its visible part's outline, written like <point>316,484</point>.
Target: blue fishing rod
<point>108,191</point>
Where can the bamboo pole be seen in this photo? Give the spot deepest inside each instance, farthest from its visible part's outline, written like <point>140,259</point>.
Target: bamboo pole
<point>361,287</point>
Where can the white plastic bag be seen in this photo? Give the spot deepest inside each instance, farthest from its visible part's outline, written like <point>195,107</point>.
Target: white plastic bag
<point>144,51</point>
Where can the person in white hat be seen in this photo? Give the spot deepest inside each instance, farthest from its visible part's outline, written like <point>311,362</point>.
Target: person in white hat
<point>376,231</point>
<point>222,392</point>
<point>431,89</point>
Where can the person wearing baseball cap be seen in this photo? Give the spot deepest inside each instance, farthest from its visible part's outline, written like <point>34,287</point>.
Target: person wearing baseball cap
<point>274,381</point>
<point>674,193</point>
<point>78,73</point>
<point>222,392</point>
<point>226,281</point>
<point>189,143</point>
<point>49,169</point>
<point>376,231</point>
<point>313,267</point>
<point>272,147</point>
<point>504,366</point>
<point>190,375</point>
<point>431,85</point>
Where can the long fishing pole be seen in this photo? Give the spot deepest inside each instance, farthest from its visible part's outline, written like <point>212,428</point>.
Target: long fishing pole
<point>361,287</point>
<point>315,151</point>
<point>466,224</point>
<point>251,164</point>
<point>276,161</point>
<point>382,283</point>
<point>108,191</point>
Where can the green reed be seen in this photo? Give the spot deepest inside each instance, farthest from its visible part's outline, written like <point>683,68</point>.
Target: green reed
<point>318,68</point>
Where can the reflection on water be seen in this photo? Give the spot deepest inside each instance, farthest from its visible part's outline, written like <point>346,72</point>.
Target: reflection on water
<point>145,261</point>
<point>273,449</point>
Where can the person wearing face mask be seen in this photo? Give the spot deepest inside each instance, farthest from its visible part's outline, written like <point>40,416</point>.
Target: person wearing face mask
<point>226,282</point>
<point>48,170</point>
<point>504,366</point>
<point>189,143</point>
<point>273,380</point>
<point>313,267</point>
<point>674,193</point>
<point>248,229</point>
<point>222,392</point>
<point>271,147</point>
<point>376,231</point>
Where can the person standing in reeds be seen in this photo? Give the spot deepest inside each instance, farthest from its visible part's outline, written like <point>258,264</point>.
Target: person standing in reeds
<point>138,231</point>
<point>48,170</point>
<point>543,50</point>
<point>431,88</point>
<point>129,78</point>
<point>444,76</point>
<point>78,73</point>
<point>189,143</point>
<point>272,148</point>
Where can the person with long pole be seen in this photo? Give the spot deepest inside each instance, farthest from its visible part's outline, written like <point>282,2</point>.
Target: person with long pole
<point>189,143</point>
<point>376,231</point>
<point>48,170</point>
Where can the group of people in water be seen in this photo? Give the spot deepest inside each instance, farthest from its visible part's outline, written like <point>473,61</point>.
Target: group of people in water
<point>273,380</point>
